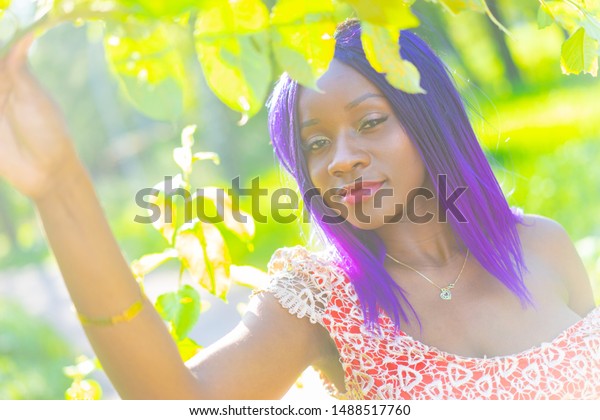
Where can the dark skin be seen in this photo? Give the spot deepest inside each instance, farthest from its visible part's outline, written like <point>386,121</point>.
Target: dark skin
<point>350,132</point>
<point>269,348</point>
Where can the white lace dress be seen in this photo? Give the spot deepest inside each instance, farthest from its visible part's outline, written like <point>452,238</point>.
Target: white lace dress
<point>389,365</point>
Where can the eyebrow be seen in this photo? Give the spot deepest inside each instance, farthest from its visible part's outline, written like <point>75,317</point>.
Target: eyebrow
<point>349,106</point>
<point>308,123</point>
<point>362,98</point>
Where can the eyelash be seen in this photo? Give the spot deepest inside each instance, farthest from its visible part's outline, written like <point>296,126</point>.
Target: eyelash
<point>363,126</point>
<point>309,147</point>
<point>377,121</point>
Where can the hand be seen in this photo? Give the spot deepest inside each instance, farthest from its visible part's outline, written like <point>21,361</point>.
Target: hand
<point>36,151</point>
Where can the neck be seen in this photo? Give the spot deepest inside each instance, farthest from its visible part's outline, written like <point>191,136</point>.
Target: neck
<point>430,244</point>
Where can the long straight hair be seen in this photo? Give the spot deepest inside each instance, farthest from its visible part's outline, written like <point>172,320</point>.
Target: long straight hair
<point>438,125</point>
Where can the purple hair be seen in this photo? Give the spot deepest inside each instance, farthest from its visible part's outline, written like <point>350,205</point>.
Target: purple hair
<point>438,125</point>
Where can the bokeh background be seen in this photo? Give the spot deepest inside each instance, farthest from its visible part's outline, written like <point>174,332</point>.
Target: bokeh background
<point>540,130</point>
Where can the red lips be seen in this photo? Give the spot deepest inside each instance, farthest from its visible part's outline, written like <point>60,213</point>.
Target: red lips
<point>359,191</point>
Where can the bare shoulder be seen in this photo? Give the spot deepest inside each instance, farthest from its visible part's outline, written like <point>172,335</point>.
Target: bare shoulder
<point>262,357</point>
<point>272,345</point>
<point>536,229</point>
<point>266,316</point>
<point>550,242</point>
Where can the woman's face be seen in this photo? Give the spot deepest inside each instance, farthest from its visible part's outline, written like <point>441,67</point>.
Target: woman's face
<point>357,152</point>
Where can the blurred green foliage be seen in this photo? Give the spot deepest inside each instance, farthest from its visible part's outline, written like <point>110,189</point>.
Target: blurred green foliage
<point>540,128</point>
<point>32,356</point>
<point>523,116</point>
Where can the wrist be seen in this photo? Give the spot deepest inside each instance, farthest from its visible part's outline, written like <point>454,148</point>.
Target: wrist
<point>66,180</point>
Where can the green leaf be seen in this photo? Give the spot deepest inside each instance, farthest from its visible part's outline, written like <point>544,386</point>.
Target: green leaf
<point>565,14</point>
<point>86,389</point>
<point>148,62</point>
<point>571,15</point>
<point>79,9</point>
<point>591,25</point>
<point>160,101</point>
<point>180,309</point>
<point>216,201</point>
<point>302,38</point>
<point>232,43</point>
<point>187,136</point>
<point>392,13</point>
<point>457,6</point>
<point>149,262</point>
<point>480,6</point>
<point>161,9</point>
<point>83,368</point>
<point>544,17</point>
<point>183,155</point>
<point>203,252</point>
<point>382,50</point>
<point>342,11</point>
<point>188,348</point>
<point>171,216</point>
<point>579,53</point>
<point>4,5</point>
<point>183,158</point>
<point>196,157</point>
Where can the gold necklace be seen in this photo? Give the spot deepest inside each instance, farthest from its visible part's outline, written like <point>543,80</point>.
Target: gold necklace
<point>445,292</point>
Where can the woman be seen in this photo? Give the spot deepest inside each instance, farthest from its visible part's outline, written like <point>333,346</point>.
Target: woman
<point>406,305</point>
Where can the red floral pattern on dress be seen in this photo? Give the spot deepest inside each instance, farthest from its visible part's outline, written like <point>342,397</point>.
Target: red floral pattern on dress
<point>388,365</point>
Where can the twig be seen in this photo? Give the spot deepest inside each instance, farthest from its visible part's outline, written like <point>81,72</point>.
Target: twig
<point>490,15</point>
<point>45,22</point>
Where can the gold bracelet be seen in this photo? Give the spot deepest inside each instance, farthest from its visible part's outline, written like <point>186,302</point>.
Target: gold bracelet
<point>125,316</point>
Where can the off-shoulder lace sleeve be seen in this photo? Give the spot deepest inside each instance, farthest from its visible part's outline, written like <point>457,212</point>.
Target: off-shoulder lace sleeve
<point>301,281</point>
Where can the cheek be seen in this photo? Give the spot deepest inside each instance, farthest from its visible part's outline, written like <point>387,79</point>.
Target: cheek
<point>321,180</point>
<point>421,174</point>
<point>419,165</point>
<point>408,168</point>
<point>315,173</point>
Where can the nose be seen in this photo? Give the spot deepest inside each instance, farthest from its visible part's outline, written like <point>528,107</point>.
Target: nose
<point>348,156</point>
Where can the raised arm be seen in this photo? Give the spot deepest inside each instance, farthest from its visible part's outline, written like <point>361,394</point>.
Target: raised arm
<point>261,358</point>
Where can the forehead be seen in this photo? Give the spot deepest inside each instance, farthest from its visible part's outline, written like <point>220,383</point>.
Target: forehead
<point>339,86</point>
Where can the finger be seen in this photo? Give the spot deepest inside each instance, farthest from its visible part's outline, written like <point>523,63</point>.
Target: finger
<point>9,149</point>
<point>18,71</point>
<point>3,61</point>
<point>17,58</point>
<point>5,80</point>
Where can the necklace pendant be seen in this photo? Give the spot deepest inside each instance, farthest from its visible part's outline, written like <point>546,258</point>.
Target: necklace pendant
<point>446,294</point>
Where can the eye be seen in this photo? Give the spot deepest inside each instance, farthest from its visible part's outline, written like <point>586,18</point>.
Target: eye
<point>371,123</point>
<point>315,144</point>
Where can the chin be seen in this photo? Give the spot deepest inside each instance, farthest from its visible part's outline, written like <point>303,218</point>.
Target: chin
<point>372,221</point>
<point>367,217</point>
